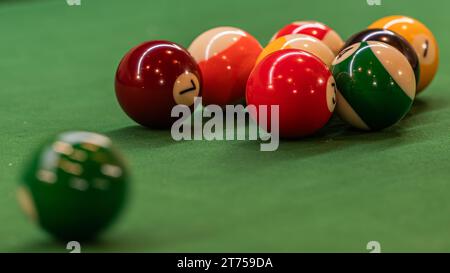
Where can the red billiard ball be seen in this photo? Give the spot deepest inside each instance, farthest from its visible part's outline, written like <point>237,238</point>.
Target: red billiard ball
<point>315,29</point>
<point>226,56</point>
<point>300,84</point>
<point>152,78</point>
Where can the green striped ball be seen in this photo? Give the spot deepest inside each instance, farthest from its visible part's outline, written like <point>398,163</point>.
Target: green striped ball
<point>376,85</point>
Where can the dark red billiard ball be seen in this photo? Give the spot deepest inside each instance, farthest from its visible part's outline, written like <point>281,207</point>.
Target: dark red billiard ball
<point>152,78</point>
<point>300,84</point>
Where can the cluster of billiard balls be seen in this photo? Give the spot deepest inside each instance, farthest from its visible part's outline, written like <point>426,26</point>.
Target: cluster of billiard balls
<point>306,69</point>
<point>77,183</point>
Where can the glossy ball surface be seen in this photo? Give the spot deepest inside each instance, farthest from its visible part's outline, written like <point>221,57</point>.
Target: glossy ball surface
<point>391,38</point>
<point>75,185</point>
<point>152,78</point>
<point>376,85</point>
<point>317,30</point>
<point>422,40</point>
<point>300,84</point>
<point>299,41</point>
<point>226,56</point>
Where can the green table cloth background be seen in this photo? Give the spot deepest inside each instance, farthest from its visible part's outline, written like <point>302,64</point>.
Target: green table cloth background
<point>332,192</point>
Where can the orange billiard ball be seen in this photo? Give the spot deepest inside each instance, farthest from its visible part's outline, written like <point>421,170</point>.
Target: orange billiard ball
<point>421,38</point>
<point>300,41</point>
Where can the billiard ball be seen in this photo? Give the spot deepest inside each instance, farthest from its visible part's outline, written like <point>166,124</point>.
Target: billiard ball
<point>422,40</point>
<point>391,38</point>
<point>315,29</point>
<point>300,84</point>
<point>75,185</point>
<point>375,85</point>
<point>300,41</point>
<point>226,56</point>
<point>152,78</point>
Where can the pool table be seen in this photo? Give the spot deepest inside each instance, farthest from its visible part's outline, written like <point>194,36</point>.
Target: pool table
<point>333,192</point>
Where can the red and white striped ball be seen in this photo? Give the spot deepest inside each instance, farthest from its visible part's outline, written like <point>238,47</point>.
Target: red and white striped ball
<point>226,57</point>
<point>315,29</point>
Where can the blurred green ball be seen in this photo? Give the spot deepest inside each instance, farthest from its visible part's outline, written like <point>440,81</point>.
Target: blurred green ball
<point>75,186</point>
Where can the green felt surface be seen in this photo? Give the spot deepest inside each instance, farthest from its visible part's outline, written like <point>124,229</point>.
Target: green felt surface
<point>332,192</point>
